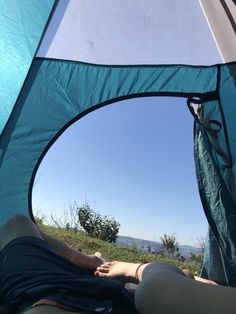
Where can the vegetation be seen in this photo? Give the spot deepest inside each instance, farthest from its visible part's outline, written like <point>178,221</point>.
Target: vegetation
<point>98,226</point>
<point>170,246</point>
<point>85,219</point>
<point>79,240</point>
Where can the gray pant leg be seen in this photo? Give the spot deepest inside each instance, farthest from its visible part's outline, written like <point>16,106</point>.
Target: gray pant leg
<point>152,292</point>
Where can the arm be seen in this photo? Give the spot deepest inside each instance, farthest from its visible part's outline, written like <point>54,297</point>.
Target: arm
<point>90,262</point>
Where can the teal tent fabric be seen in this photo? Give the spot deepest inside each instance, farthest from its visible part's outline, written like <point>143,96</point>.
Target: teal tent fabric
<point>57,93</point>
<point>215,165</point>
<point>22,24</point>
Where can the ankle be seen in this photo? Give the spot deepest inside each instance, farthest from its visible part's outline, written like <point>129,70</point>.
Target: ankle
<point>131,272</point>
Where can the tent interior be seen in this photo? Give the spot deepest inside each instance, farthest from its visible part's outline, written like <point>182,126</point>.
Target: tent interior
<point>50,78</point>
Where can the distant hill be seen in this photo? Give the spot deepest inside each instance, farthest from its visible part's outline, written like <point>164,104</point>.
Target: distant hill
<point>153,246</point>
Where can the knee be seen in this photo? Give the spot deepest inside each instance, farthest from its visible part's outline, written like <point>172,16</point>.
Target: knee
<point>161,290</point>
<point>155,268</point>
<point>17,220</point>
<point>18,226</point>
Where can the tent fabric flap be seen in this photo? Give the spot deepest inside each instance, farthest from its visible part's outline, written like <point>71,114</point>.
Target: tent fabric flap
<point>21,26</point>
<point>215,166</point>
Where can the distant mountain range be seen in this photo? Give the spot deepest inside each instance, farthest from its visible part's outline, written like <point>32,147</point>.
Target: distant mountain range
<point>153,246</point>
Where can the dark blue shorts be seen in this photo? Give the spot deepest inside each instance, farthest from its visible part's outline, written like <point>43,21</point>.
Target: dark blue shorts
<point>31,270</point>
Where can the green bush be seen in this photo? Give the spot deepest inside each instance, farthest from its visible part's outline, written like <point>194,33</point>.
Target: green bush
<point>98,226</point>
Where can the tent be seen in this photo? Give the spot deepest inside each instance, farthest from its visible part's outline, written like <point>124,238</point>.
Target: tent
<point>60,60</point>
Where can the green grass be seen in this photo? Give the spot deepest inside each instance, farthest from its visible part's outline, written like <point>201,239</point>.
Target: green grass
<point>111,251</point>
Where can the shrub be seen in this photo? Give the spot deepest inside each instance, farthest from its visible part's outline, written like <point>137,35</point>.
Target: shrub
<point>98,226</point>
<point>170,245</point>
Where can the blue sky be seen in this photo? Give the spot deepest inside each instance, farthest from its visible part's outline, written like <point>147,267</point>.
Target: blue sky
<point>132,160</point>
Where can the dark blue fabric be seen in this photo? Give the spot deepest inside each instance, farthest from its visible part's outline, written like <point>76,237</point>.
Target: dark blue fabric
<point>31,270</point>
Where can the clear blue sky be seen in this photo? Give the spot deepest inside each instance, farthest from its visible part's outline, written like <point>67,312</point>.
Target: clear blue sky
<point>132,160</point>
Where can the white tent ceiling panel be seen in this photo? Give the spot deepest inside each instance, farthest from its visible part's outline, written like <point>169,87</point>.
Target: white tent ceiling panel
<point>130,32</point>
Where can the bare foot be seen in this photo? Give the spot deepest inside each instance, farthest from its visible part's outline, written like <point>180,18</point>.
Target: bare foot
<point>209,282</point>
<point>189,274</point>
<point>125,272</point>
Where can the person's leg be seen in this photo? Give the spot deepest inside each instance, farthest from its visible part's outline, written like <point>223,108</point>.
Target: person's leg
<point>130,272</point>
<point>165,290</point>
<point>16,227</point>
